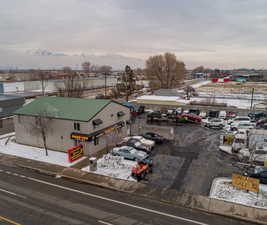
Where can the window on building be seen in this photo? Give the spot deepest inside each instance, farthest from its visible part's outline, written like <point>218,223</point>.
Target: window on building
<point>76,126</point>
<point>1,123</point>
<point>97,122</point>
<point>77,142</point>
<point>120,114</point>
<point>19,118</point>
<point>96,141</point>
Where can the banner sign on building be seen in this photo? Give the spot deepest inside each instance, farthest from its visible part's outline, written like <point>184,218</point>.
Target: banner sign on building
<point>247,183</point>
<point>80,137</point>
<point>75,153</point>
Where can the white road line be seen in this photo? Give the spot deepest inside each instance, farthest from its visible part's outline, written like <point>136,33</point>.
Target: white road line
<point>100,221</point>
<point>106,199</point>
<point>118,202</point>
<point>12,193</point>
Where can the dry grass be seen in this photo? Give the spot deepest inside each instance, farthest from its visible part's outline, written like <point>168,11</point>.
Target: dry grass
<point>234,87</point>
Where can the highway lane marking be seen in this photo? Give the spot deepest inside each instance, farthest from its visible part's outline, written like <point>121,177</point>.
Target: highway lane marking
<point>101,221</point>
<point>9,220</point>
<point>116,201</point>
<point>109,199</point>
<point>12,193</point>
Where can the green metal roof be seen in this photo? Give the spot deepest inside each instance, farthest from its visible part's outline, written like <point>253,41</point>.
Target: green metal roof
<point>64,108</point>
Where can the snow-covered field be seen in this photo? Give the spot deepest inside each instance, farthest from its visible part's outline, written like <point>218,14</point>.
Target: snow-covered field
<point>10,147</point>
<point>114,166</point>
<point>222,189</point>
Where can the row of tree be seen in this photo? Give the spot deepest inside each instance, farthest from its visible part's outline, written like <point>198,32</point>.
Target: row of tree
<point>88,68</point>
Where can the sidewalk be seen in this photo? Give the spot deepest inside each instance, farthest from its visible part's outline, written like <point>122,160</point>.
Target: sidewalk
<point>46,168</point>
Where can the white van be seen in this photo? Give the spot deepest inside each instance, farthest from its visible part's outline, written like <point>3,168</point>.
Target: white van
<point>222,114</point>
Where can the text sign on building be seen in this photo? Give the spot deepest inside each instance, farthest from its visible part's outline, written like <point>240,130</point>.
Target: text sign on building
<point>75,153</point>
<point>247,183</point>
<point>80,137</point>
<point>265,163</point>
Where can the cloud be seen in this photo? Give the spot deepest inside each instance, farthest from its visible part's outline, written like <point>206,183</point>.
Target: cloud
<point>211,32</point>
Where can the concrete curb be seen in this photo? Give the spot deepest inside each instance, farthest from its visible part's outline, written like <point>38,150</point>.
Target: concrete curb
<point>42,171</point>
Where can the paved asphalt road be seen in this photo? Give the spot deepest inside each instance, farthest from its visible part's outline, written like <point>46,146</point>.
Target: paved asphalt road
<point>29,198</point>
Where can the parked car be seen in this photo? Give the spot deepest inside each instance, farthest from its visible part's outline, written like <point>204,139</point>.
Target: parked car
<point>100,96</point>
<point>262,126</point>
<point>158,139</point>
<point>191,117</point>
<point>231,115</point>
<point>203,115</point>
<point>257,116</point>
<point>194,111</point>
<point>222,114</point>
<point>214,114</point>
<point>245,126</point>
<point>214,123</point>
<point>261,121</point>
<point>130,153</point>
<point>141,109</point>
<point>258,173</point>
<point>138,145</point>
<point>234,122</point>
<point>141,139</point>
<point>154,115</point>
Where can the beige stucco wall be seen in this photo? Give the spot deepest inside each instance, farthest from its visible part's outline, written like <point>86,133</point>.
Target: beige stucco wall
<point>58,135</point>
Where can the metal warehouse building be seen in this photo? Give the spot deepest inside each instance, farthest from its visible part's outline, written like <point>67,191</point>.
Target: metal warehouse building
<point>8,104</point>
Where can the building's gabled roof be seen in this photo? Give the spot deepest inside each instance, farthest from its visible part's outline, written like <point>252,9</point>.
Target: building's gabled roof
<point>64,108</point>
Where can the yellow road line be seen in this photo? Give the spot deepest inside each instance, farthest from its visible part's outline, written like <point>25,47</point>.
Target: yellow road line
<point>8,220</point>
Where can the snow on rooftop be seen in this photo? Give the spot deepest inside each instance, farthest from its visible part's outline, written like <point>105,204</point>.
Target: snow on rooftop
<point>10,147</point>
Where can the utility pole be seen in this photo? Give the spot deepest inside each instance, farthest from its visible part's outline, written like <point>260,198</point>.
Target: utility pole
<point>252,96</point>
<point>105,73</point>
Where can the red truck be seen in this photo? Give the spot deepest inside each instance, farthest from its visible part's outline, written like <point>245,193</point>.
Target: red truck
<point>191,117</point>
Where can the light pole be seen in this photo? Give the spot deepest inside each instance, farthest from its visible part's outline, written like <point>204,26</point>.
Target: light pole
<point>105,73</point>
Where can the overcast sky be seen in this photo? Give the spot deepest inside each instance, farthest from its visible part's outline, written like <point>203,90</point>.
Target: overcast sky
<point>212,33</point>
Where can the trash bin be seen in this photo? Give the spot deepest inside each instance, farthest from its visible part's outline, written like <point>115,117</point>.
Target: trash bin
<point>92,164</point>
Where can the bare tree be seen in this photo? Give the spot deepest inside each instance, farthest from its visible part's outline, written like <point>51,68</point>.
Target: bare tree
<point>165,71</point>
<point>95,68</point>
<point>106,70</point>
<point>67,69</point>
<point>199,69</point>
<point>128,80</point>
<point>86,67</point>
<point>41,126</point>
<point>189,90</point>
<point>43,77</point>
<point>72,87</point>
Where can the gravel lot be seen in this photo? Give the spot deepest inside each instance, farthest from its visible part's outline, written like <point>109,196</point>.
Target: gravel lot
<point>191,161</point>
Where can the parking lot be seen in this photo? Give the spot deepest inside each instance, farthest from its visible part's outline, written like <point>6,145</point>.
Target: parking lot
<point>191,161</point>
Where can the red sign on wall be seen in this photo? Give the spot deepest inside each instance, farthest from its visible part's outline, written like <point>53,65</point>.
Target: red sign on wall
<point>75,153</point>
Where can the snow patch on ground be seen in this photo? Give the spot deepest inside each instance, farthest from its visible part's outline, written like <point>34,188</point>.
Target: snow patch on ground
<point>226,149</point>
<point>114,166</point>
<point>201,83</point>
<point>222,189</point>
<point>10,147</point>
